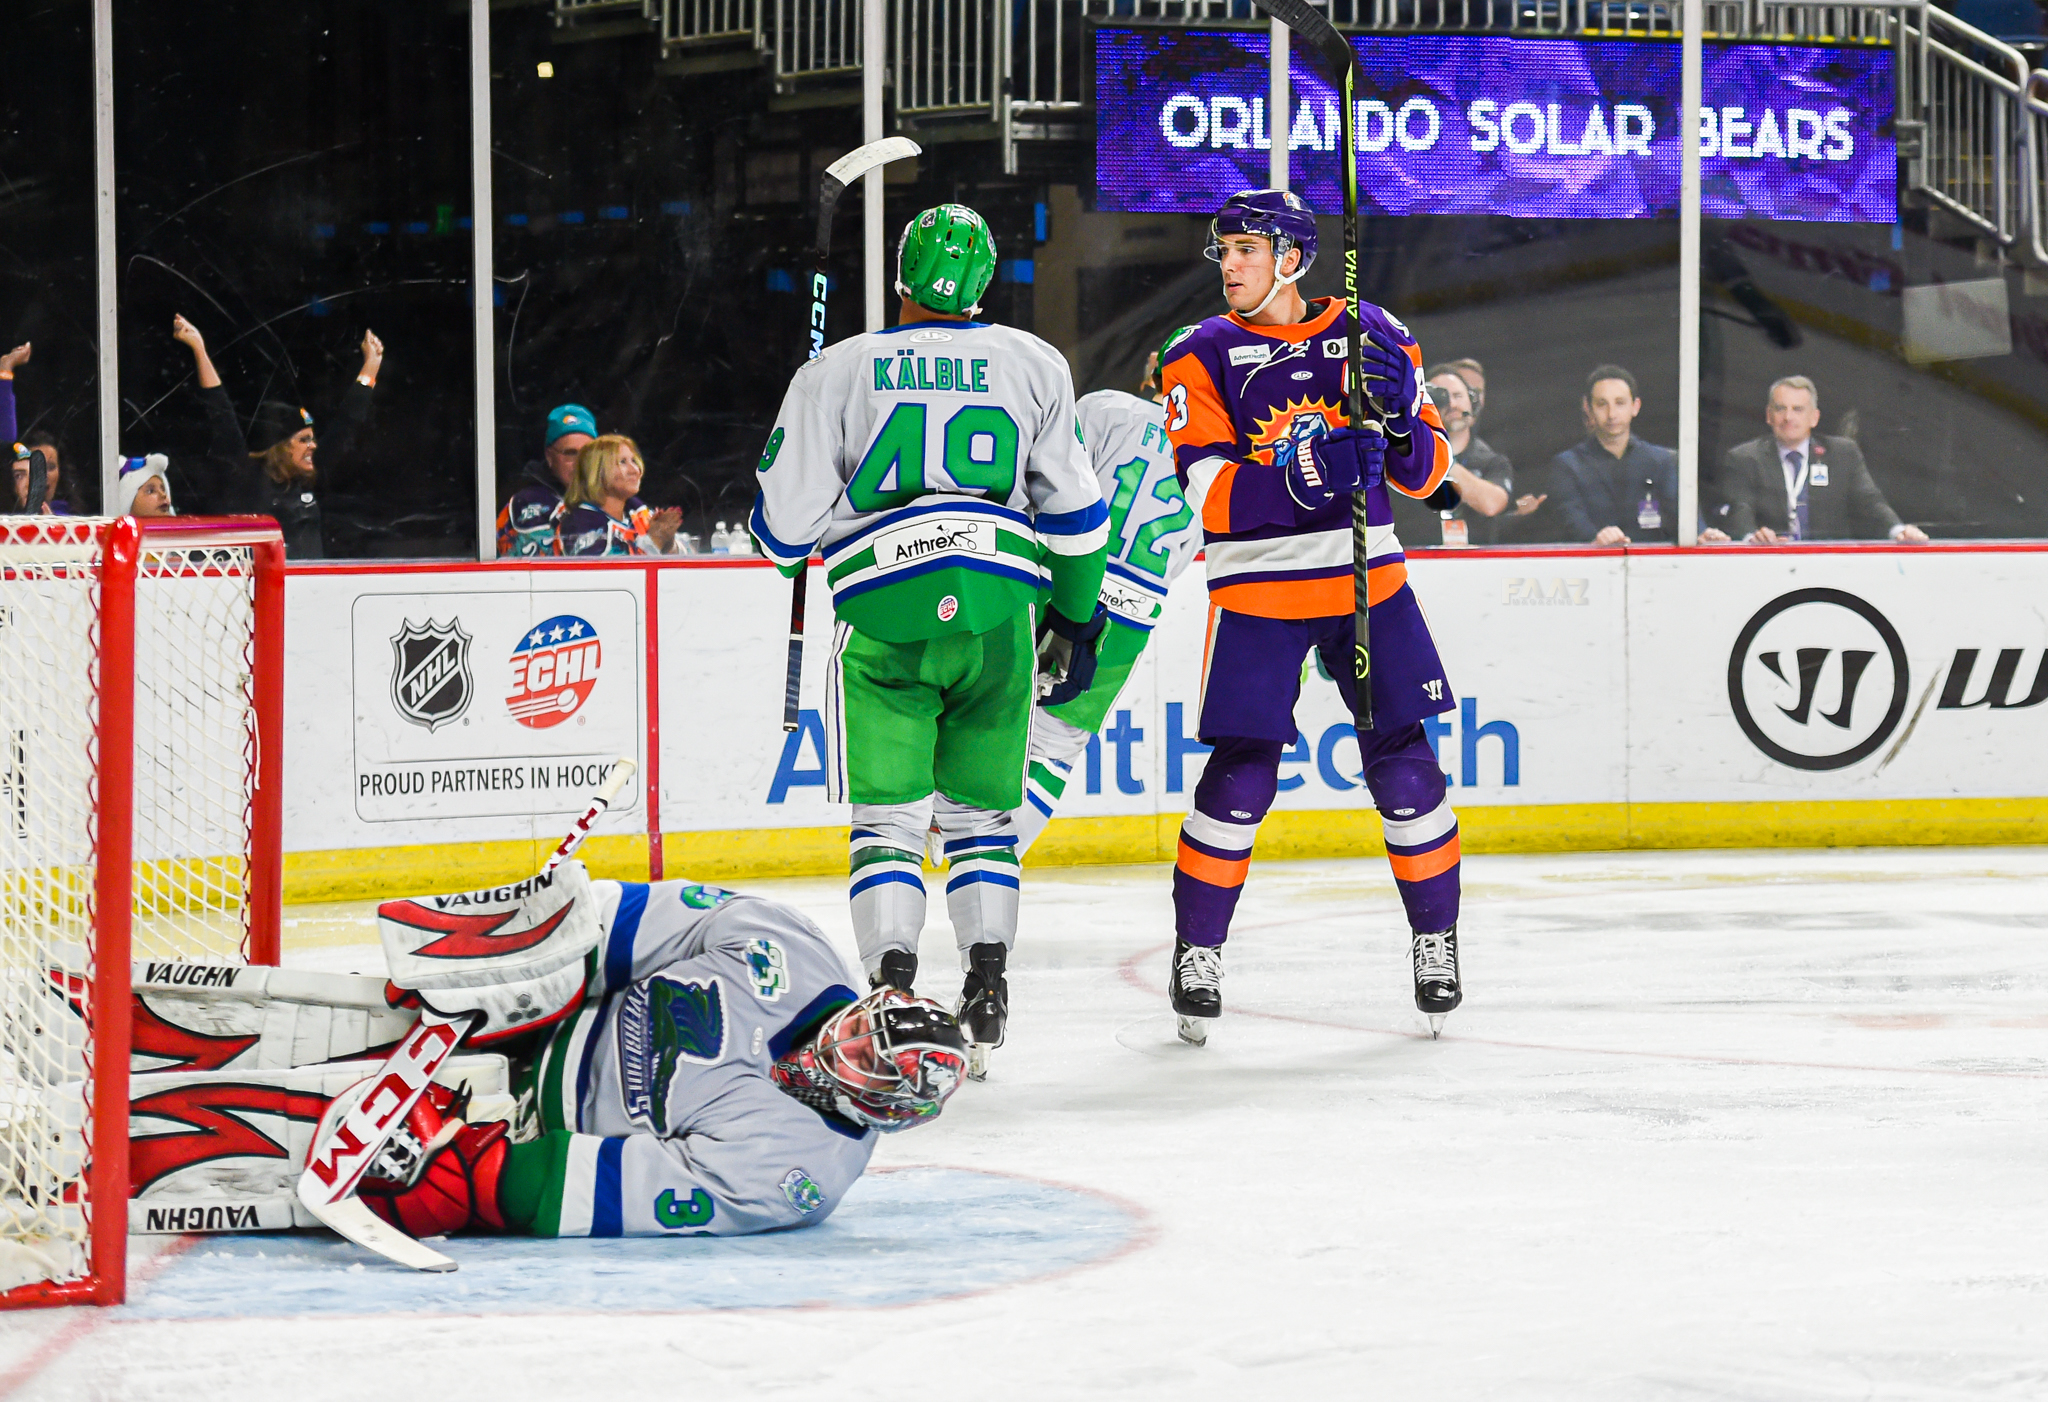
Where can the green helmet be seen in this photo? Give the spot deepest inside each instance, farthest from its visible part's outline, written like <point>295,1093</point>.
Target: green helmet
<point>945,259</point>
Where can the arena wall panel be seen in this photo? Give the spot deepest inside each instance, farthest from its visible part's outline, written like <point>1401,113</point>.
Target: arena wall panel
<point>444,721</point>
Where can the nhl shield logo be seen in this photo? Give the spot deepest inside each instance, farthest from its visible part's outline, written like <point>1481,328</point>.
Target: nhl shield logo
<point>430,681</point>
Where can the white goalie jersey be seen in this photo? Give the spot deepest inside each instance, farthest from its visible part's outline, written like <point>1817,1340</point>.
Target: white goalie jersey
<point>645,1107</point>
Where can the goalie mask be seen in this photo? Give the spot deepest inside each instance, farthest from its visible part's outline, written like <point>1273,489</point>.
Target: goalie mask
<point>889,1061</point>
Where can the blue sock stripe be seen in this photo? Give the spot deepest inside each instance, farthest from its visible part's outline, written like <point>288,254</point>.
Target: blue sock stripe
<point>993,878</point>
<point>908,878</point>
<point>1031,797</point>
<point>618,945</point>
<point>607,1217</point>
<point>964,843</point>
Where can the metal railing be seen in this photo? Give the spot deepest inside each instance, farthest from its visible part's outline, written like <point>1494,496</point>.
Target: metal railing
<point>685,23</point>
<point>2034,120</point>
<point>949,56</point>
<point>813,38</point>
<point>1868,23</point>
<point>573,11</point>
<point>1967,89</point>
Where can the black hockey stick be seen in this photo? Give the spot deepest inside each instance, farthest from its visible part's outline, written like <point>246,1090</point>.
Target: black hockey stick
<point>38,481</point>
<point>838,176</point>
<point>1315,28</point>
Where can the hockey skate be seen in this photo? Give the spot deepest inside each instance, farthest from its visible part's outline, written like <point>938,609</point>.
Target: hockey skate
<point>1197,989</point>
<point>984,1006</point>
<point>898,970</point>
<point>1436,976</point>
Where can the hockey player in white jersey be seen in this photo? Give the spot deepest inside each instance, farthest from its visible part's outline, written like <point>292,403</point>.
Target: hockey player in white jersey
<point>1153,534</point>
<point>687,1061</point>
<point>938,466</point>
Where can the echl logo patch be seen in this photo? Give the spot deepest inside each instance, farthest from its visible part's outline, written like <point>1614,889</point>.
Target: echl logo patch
<point>430,681</point>
<point>553,669</point>
<point>469,936</point>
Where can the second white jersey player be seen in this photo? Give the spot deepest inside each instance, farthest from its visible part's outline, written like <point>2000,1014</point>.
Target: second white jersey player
<point>1154,532</point>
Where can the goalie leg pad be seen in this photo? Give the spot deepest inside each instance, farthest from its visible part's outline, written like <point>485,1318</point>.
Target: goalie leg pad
<point>513,953</point>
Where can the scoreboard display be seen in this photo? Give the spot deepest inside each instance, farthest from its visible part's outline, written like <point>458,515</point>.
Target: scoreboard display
<point>1490,124</point>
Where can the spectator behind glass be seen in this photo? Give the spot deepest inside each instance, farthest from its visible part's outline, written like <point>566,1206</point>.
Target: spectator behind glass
<point>275,479</point>
<point>601,515</point>
<point>54,491</point>
<point>16,357</point>
<point>1793,484</point>
<point>1484,478</point>
<point>1506,529</point>
<point>526,524</point>
<point>53,457</point>
<point>142,487</point>
<point>1612,488</point>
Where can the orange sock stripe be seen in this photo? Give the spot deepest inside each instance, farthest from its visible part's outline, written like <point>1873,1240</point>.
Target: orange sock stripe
<point>1214,870</point>
<point>1421,868</point>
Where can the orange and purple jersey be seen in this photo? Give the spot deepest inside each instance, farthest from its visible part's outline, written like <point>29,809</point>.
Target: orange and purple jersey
<point>1239,400</point>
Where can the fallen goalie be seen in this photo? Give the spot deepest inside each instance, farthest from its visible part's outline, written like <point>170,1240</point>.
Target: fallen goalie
<point>661,1059</point>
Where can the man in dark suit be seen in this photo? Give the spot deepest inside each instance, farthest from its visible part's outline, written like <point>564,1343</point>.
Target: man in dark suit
<point>1612,488</point>
<point>1795,484</point>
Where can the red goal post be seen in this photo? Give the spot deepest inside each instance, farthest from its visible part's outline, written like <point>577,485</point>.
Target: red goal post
<point>141,816</point>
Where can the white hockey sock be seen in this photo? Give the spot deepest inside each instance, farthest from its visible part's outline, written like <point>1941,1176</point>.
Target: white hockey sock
<point>885,884</point>
<point>981,876</point>
<point>1054,744</point>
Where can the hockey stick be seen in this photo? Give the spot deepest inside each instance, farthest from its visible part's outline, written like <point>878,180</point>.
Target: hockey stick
<point>38,481</point>
<point>1314,26</point>
<point>336,1164</point>
<point>838,176</point>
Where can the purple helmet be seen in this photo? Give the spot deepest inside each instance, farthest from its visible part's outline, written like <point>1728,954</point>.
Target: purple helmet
<point>1275,214</point>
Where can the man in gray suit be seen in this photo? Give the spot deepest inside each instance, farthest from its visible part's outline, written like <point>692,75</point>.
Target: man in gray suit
<point>1795,484</point>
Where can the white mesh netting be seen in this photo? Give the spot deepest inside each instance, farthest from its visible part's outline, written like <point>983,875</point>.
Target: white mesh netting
<point>192,804</point>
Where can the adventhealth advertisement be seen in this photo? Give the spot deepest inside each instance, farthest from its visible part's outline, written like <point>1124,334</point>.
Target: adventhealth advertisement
<point>1487,124</point>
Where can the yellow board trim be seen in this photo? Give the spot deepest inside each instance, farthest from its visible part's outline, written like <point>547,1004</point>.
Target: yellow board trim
<point>758,853</point>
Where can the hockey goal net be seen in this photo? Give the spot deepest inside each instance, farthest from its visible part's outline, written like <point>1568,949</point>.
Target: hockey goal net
<point>141,710</point>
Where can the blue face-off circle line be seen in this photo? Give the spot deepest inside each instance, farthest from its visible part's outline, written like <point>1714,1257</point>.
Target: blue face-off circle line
<point>920,1234</point>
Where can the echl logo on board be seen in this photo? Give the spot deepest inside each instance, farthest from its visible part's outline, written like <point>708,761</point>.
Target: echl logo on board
<point>553,669</point>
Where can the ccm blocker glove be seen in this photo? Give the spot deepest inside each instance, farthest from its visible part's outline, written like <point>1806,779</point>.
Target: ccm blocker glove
<point>1066,655</point>
<point>1392,379</point>
<point>1337,463</point>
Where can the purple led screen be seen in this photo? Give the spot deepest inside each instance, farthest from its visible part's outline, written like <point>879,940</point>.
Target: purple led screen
<point>1472,124</point>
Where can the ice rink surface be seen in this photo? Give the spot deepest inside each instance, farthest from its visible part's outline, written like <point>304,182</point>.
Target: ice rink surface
<point>1743,1125</point>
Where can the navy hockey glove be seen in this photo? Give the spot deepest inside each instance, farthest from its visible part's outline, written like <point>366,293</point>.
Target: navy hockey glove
<point>1066,655</point>
<point>1339,462</point>
<point>1391,377</point>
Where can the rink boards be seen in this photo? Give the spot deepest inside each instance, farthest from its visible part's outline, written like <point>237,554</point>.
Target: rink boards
<point>445,722</point>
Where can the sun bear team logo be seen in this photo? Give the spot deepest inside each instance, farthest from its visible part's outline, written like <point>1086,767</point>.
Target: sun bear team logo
<point>553,669</point>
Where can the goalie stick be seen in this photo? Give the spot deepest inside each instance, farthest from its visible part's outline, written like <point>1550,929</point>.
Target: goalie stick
<point>838,176</point>
<point>1314,26</point>
<point>335,1165</point>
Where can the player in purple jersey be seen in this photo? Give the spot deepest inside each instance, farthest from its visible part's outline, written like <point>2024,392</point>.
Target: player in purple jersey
<point>1256,410</point>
